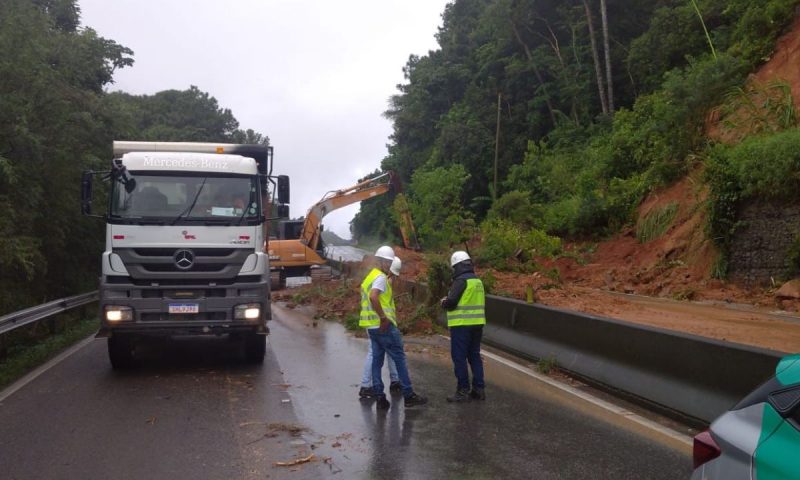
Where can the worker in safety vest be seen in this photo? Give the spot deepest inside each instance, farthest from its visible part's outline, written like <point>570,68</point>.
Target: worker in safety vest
<point>366,321</point>
<point>377,309</point>
<point>465,304</point>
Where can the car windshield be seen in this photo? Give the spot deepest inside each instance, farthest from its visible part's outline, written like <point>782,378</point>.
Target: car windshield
<point>177,199</point>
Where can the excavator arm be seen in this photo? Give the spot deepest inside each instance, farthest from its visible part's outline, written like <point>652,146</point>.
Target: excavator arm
<point>298,257</point>
<point>341,198</point>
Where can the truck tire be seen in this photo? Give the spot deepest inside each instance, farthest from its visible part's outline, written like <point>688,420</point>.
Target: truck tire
<point>255,347</point>
<point>277,280</point>
<point>120,352</point>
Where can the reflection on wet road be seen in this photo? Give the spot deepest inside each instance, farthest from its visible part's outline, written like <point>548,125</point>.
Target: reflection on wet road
<point>523,430</point>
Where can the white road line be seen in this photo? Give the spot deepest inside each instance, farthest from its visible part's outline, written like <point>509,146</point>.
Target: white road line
<point>10,390</point>
<point>681,440</point>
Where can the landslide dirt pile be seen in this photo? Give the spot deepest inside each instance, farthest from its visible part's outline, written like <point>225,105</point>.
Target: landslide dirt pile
<point>340,300</point>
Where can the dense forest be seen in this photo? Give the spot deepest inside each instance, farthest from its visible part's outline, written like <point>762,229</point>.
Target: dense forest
<point>56,120</point>
<point>540,120</point>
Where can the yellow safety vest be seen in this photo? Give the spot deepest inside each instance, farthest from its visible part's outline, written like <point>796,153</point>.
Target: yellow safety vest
<point>471,309</point>
<point>369,317</point>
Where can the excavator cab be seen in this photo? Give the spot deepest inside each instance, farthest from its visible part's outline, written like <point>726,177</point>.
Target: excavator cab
<point>290,229</point>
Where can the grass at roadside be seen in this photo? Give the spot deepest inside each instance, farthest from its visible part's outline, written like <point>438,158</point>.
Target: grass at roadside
<point>23,357</point>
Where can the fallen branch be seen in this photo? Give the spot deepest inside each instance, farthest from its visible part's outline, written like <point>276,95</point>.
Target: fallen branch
<point>294,462</point>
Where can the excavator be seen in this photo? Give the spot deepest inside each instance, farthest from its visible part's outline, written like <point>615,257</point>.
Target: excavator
<point>298,250</point>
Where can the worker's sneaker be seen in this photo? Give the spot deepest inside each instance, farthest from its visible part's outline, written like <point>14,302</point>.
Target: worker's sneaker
<point>414,399</point>
<point>366,392</point>
<point>478,394</point>
<point>395,387</point>
<point>382,403</point>
<point>460,397</point>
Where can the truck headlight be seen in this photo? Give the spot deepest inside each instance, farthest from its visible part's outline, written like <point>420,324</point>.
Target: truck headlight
<point>247,311</point>
<point>116,313</point>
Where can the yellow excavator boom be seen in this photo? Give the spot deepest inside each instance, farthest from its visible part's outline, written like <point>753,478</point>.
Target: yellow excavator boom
<point>290,257</point>
<point>334,200</point>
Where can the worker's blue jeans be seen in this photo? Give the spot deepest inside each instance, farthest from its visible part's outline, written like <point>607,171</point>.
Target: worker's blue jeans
<point>465,346</point>
<point>366,376</point>
<point>388,343</point>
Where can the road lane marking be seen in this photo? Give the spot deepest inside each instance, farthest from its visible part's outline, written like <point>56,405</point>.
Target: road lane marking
<point>14,387</point>
<point>683,442</point>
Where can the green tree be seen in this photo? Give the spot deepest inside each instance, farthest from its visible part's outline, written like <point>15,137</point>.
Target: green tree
<point>435,202</point>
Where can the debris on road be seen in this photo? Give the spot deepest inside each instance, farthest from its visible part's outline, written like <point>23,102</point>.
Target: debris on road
<point>291,428</point>
<point>297,461</point>
<point>151,421</point>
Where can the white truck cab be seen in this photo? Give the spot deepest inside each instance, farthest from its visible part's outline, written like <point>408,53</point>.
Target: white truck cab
<point>185,244</point>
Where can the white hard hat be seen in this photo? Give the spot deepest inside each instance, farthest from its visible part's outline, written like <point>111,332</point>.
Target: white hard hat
<point>458,257</point>
<point>385,252</point>
<point>396,266</point>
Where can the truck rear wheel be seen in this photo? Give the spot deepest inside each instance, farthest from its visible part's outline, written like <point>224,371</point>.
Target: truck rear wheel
<point>255,348</point>
<point>278,279</point>
<point>120,351</point>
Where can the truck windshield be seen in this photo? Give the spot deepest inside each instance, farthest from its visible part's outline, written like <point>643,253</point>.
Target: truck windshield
<point>178,199</point>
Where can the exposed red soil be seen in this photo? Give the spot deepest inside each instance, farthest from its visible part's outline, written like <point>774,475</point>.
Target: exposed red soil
<point>782,67</point>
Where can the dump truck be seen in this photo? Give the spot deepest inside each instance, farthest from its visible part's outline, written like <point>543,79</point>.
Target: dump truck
<point>185,243</point>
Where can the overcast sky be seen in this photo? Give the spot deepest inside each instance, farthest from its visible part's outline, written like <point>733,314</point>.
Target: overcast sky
<point>313,75</point>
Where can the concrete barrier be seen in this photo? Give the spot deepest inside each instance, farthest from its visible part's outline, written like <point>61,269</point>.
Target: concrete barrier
<point>695,376</point>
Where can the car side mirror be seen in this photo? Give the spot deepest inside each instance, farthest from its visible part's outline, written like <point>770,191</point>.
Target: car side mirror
<point>785,401</point>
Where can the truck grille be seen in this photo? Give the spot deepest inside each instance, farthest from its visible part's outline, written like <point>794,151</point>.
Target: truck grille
<point>184,264</point>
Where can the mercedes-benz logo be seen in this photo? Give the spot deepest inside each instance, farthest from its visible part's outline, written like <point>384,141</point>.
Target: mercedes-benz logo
<point>184,259</point>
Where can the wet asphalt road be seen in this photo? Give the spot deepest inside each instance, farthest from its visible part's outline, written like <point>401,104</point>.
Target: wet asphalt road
<point>193,411</point>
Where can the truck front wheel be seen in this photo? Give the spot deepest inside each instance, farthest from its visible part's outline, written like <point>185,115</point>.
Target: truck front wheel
<point>255,347</point>
<point>120,351</point>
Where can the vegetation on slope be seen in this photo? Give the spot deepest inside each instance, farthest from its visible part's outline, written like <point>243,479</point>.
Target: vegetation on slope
<point>589,116</point>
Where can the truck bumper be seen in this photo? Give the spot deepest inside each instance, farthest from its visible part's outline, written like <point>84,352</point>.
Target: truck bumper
<point>215,303</point>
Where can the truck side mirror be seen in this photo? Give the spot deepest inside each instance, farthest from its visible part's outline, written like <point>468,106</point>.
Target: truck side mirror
<point>785,401</point>
<point>283,211</point>
<point>86,193</point>
<point>283,189</point>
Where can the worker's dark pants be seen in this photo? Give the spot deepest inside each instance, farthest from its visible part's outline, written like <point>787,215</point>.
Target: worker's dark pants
<point>391,343</point>
<point>465,346</point>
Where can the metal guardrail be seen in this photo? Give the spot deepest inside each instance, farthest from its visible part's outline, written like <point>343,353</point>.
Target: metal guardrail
<point>29,315</point>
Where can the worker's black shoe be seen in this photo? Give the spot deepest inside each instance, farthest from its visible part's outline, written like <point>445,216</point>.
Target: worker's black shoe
<point>460,397</point>
<point>366,392</point>
<point>414,399</point>
<point>478,394</point>
<point>395,387</point>
<point>383,404</point>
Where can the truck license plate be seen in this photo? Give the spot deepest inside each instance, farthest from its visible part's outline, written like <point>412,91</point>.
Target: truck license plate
<point>184,308</point>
